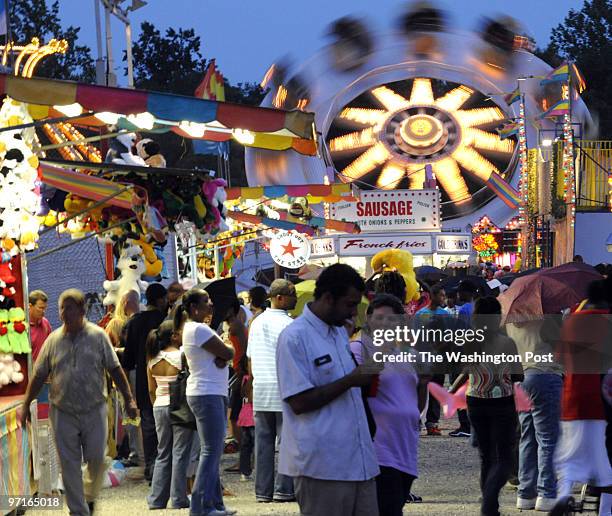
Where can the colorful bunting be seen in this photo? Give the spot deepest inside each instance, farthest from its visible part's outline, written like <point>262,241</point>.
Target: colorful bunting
<point>314,193</point>
<point>512,97</point>
<point>557,75</point>
<point>558,109</point>
<point>508,130</point>
<point>504,191</point>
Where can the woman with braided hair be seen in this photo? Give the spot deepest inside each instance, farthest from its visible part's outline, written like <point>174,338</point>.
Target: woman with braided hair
<point>174,442</point>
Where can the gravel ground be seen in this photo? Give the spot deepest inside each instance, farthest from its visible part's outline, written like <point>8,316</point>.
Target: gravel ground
<point>448,483</point>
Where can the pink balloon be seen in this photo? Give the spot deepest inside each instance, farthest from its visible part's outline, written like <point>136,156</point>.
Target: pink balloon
<point>450,403</point>
<point>522,400</point>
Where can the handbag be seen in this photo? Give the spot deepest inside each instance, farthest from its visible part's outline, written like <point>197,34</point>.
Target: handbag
<point>180,412</point>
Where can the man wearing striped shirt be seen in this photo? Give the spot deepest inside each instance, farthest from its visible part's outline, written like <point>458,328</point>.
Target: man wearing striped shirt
<point>267,405</point>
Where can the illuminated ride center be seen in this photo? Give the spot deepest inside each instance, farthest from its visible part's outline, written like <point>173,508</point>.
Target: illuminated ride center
<point>388,105</point>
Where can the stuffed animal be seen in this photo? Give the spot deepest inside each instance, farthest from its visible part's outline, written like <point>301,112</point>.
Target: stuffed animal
<point>149,151</point>
<point>214,190</point>
<point>400,261</point>
<point>10,370</point>
<point>17,331</point>
<point>7,280</point>
<point>5,345</point>
<point>131,266</point>
<point>121,151</point>
<point>19,200</point>
<point>153,265</point>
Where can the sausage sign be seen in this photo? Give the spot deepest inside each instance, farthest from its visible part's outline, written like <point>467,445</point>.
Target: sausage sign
<point>396,210</point>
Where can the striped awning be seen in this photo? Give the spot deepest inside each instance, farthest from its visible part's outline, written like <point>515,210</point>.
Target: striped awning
<point>267,128</point>
<point>314,193</point>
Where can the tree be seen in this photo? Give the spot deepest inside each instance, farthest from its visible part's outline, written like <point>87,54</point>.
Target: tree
<point>34,18</point>
<point>171,62</point>
<point>585,37</point>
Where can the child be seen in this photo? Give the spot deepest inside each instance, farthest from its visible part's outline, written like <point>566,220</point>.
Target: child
<point>247,424</point>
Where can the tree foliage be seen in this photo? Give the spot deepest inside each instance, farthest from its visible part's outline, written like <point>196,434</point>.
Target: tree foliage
<point>171,62</point>
<point>585,37</point>
<point>34,18</point>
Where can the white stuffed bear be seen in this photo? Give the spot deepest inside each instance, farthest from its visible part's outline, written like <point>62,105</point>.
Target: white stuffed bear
<point>10,370</point>
<point>120,151</point>
<point>131,265</point>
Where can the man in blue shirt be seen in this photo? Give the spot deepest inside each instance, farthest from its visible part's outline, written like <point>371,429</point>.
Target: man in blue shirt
<point>326,444</point>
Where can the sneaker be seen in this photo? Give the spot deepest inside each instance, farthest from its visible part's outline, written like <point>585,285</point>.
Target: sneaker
<point>544,504</point>
<point>460,432</point>
<point>245,478</point>
<point>284,500</point>
<point>525,504</point>
<point>229,512</point>
<point>433,430</point>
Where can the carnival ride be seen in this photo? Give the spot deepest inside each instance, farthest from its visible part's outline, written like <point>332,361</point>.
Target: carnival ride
<point>389,104</point>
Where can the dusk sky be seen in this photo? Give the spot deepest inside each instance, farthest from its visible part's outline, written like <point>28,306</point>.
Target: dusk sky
<point>246,36</point>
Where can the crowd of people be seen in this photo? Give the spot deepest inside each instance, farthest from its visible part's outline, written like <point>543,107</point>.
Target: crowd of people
<point>346,426</point>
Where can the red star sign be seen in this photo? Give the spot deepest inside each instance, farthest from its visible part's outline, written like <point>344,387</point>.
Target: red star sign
<point>289,248</point>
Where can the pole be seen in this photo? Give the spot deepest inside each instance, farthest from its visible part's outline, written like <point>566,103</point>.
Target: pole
<point>110,75</point>
<point>100,59</point>
<point>9,32</point>
<point>128,53</point>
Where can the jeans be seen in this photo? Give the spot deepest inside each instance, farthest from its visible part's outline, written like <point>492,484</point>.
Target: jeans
<point>149,438</point>
<point>170,473</point>
<point>494,423</point>
<point>392,489</point>
<point>210,412</point>
<point>539,434</point>
<point>247,444</point>
<point>268,426</point>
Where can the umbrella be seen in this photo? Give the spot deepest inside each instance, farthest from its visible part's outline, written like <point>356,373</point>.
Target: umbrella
<point>507,279</point>
<point>305,294</point>
<point>530,297</point>
<point>576,275</point>
<point>452,284</point>
<point>429,273</point>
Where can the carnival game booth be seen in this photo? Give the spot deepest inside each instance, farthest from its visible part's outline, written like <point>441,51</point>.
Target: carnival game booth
<point>130,199</point>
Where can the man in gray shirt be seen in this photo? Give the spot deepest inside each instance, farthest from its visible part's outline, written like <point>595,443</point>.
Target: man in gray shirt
<point>75,358</point>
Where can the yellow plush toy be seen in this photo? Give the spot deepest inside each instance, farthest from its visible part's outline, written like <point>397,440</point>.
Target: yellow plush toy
<point>153,265</point>
<point>400,261</point>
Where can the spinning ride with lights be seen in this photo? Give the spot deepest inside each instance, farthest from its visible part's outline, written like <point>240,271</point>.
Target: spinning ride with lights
<point>388,105</point>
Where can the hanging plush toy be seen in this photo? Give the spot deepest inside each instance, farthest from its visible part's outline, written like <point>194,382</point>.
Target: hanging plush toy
<point>149,151</point>
<point>5,345</point>
<point>10,370</point>
<point>153,265</point>
<point>122,152</point>
<point>214,191</point>
<point>7,280</point>
<point>400,261</point>
<point>17,331</point>
<point>19,197</point>
<point>131,266</point>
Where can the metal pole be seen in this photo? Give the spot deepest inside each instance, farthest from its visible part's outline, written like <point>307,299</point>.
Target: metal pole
<point>110,75</point>
<point>100,60</point>
<point>128,52</point>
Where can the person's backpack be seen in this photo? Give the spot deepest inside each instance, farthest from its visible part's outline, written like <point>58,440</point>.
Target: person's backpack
<point>180,413</point>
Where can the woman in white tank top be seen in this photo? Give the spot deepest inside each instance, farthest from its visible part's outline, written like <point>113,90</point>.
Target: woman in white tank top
<point>169,475</point>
